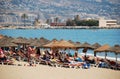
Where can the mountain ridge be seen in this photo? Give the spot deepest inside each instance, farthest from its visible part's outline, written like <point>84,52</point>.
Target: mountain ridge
<point>65,8</point>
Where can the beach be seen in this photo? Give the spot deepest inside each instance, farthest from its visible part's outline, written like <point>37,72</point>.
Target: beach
<point>47,72</point>
<point>29,53</point>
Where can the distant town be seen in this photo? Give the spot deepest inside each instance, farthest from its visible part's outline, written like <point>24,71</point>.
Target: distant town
<point>55,22</point>
<point>25,14</point>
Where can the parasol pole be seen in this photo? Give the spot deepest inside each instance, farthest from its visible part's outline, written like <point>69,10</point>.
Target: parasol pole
<point>105,54</point>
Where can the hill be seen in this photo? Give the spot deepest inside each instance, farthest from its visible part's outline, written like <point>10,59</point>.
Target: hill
<point>62,8</point>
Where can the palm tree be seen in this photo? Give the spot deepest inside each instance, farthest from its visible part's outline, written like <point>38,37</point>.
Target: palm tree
<point>24,16</point>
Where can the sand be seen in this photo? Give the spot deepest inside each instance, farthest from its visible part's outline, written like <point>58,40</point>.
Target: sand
<point>47,72</point>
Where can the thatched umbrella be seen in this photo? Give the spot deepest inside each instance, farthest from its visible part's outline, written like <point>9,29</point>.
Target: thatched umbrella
<point>77,45</point>
<point>85,47</point>
<point>115,49</point>
<point>7,42</point>
<point>54,39</point>
<point>34,42</point>
<point>38,42</point>
<point>65,44</point>
<point>96,45</point>
<point>51,44</point>
<point>43,41</point>
<point>21,41</point>
<point>103,48</point>
<point>71,41</point>
<point>60,44</point>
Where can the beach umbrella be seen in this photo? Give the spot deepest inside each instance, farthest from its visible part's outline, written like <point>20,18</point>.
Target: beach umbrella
<point>103,48</point>
<point>38,42</point>
<point>115,49</point>
<point>54,39</point>
<point>7,42</point>
<point>43,40</point>
<point>65,44</point>
<point>34,42</point>
<point>96,45</point>
<point>62,44</point>
<point>51,44</point>
<point>59,44</point>
<point>77,45</point>
<point>21,40</point>
<point>86,45</point>
<point>71,41</point>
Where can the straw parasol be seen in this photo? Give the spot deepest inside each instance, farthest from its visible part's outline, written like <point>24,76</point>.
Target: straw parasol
<point>51,44</point>
<point>115,49</point>
<point>71,41</point>
<point>103,48</point>
<point>65,44</point>
<point>34,42</point>
<point>38,42</point>
<point>60,44</point>
<point>96,45</point>
<point>77,45</point>
<point>21,40</point>
<point>6,42</point>
<point>86,45</point>
<point>43,41</point>
<point>54,39</point>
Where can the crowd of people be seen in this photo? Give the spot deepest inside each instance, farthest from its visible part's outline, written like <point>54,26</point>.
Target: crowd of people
<point>57,57</point>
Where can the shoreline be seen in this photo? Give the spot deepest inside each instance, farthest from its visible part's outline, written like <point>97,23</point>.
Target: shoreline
<point>110,58</point>
<point>58,27</point>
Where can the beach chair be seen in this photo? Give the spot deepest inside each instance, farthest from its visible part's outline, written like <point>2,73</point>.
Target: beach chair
<point>45,61</point>
<point>86,65</point>
<point>66,65</point>
<point>118,66</point>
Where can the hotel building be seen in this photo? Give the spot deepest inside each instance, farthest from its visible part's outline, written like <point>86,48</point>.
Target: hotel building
<point>107,23</point>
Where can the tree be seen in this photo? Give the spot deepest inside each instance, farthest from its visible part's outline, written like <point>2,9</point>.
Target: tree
<point>24,17</point>
<point>70,22</point>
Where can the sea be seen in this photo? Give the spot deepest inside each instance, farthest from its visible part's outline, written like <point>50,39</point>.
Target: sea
<point>91,36</point>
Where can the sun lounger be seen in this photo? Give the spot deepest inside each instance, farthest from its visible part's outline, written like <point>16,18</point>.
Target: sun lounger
<point>6,62</point>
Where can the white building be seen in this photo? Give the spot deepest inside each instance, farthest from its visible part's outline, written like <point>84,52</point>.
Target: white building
<point>42,25</point>
<point>107,23</point>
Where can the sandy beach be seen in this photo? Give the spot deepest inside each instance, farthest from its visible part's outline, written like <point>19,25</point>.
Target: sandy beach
<point>47,72</point>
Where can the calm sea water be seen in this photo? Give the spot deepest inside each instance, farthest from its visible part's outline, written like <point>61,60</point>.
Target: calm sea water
<point>101,36</point>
